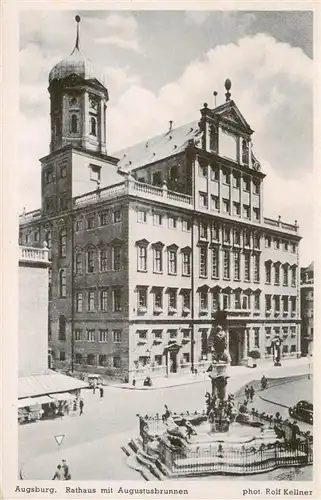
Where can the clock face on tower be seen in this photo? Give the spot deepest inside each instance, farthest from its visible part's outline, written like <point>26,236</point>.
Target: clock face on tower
<point>93,104</point>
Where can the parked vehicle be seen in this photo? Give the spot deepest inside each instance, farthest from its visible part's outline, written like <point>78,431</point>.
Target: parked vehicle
<point>30,414</point>
<point>94,380</point>
<point>303,410</point>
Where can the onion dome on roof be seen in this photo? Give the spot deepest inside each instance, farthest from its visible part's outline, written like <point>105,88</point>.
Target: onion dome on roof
<point>76,64</point>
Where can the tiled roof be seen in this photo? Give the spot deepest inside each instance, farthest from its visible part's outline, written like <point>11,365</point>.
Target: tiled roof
<point>157,148</point>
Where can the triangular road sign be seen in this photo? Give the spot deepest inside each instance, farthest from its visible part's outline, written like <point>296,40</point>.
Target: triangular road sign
<point>59,439</point>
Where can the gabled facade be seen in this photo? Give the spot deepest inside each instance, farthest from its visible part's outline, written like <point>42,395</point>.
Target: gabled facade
<point>147,245</point>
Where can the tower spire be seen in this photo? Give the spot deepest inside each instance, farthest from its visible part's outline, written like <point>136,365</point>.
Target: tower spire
<point>77,18</point>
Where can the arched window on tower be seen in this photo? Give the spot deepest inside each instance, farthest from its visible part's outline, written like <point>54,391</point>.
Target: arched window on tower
<point>62,327</point>
<point>63,242</point>
<point>93,126</point>
<point>74,123</point>
<point>245,152</point>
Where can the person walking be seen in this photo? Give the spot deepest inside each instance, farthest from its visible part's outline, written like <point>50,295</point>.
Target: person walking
<point>251,393</point>
<point>59,474</point>
<point>101,391</point>
<point>247,393</point>
<point>66,472</point>
<point>81,407</point>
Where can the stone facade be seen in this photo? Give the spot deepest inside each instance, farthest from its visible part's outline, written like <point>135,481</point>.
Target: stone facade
<point>307,309</point>
<point>148,245</point>
<point>33,311</point>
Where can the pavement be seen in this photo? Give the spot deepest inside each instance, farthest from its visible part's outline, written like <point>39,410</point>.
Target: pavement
<point>263,368</point>
<point>92,454</point>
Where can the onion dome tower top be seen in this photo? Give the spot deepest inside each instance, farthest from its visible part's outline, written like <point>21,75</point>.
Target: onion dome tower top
<point>76,64</point>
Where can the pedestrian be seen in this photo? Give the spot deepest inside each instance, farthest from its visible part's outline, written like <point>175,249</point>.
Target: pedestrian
<point>66,472</point>
<point>246,391</point>
<point>81,406</point>
<point>101,391</point>
<point>134,381</point>
<point>251,393</point>
<point>94,386</point>
<point>59,474</point>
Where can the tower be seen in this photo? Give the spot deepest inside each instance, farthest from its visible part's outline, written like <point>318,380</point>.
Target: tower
<point>78,102</point>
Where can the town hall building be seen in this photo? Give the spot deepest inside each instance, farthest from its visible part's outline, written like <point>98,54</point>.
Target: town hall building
<point>148,244</point>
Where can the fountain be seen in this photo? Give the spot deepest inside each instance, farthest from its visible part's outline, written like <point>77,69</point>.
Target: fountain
<point>224,438</point>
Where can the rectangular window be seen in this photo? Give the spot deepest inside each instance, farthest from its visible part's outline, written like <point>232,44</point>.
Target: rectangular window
<point>203,171</point>
<point>236,209</point>
<point>78,263</point>
<point>293,276</point>
<point>142,334</point>
<point>215,301</point>
<point>186,299</point>
<point>157,178</point>
<point>246,211</point>
<point>204,300</point>
<point>157,219</point>
<point>293,248</point>
<point>256,214</point>
<point>225,176</point>
<point>268,273</point>
<point>293,304</point>
<point>215,203</point>
<point>102,360</point>
<point>226,301</point>
<point>215,231</point>
<point>116,300</point>
<point>237,266</point>
<point>215,263</point>
<point>214,173</point>
<point>285,304</point>
<point>257,241</point>
<point>268,302</point>
<point>247,262</point>
<point>142,258</point>
<point>186,256</point>
<point>142,298</point>
<point>103,219</point>
<point>172,334</point>
<point>285,276</point>
<point>276,243</point>
<point>116,216</point>
<point>267,242</point>
<point>237,302</point>
<point>226,206</point>
<point>236,180</point>
<point>63,171</point>
<point>103,300</point>
<point>63,202</point>
<point>157,334</point>
<point>256,187</point>
<point>90,335</point>
<point>247,238</point>
<point>90,223</point>
<point>226,235</point>
<point>116,362</point>
<point>158,299</point>
<point>226,262</point>
<point>237,237</point>
<point>286,246</point>
<point>277,274</point>
<point>246,183</point>
<point>277,303</point>
<point>141,216</point>
<point>116,253</point>
<point>257,337</point>
<point>79,301</point>
<point>257,301</point>
<point>172,299</point>
<point>157,260</point>
<point>203,200</point>
<point>78,335</point>
<point>172,222</point>
<point>103,260</point>
<point>203,230</point>
<point>186,225</point>
<point>256,268</point>
<point>49,176</point>
<point>62,356</point>
<point>91,301</point>
<point>116,336</point>
<point>91,359</point>
<point>172,262</point>
<point>203,262</point>
<point>90,261</point>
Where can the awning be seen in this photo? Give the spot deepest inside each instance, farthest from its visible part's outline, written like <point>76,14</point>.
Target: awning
<point>22,403</point>
<point>41,400</point>
<point>63,396</point>
<point>46,383</point>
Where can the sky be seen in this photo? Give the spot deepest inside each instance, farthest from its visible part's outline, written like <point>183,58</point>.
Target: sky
<point>163,65</point>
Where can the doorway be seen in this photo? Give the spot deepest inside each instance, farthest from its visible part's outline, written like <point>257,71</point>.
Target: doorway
<point>173,362</point>
<point>234,347</point>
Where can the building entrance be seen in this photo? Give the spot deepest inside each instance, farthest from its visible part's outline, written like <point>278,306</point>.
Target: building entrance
<point>236,345</point>
<point>173,362</point>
